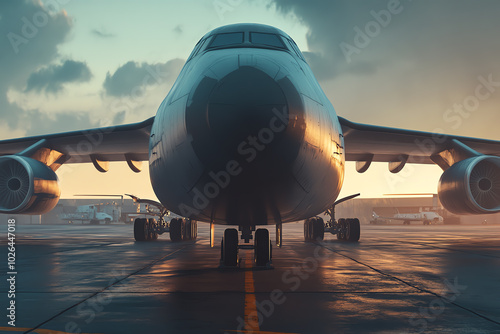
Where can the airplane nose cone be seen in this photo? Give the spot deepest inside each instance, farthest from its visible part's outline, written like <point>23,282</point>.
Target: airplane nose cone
<point>245,103</point>
<point>244,123</point>
<point>240,111</point>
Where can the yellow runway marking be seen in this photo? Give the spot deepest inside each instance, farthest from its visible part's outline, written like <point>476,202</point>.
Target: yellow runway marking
<point>251,315</point>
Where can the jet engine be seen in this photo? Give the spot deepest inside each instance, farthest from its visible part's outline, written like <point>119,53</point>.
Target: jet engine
<point>471,186</point>
<point>27,186</point>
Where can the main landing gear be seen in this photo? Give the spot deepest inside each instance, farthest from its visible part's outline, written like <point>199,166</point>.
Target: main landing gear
<point>314,229</point>
<point>345,229</point>
<point>348,229</point>
<point>183,229</point>
<point>180,229</point>
<point>148,229</point>
<point>262,246</point>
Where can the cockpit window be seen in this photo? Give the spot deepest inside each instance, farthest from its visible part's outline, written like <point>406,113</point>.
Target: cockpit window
<point>266,39</point>
<point>291,44</point>
<point>227,39</point>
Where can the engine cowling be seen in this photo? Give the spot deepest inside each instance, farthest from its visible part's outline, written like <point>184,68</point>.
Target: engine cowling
<point>27,186</point>
<point>471,186</point>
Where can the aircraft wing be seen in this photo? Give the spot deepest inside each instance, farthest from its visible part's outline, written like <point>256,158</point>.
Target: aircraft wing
<point>366,143</point>
<point>116,143</point>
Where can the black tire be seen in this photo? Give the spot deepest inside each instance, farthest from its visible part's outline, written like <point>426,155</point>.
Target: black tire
<point>194,234</point>
<point>354,230</point>
<point>230,248</point>
<point>176,229</point>
<point>318,229</point>
<point>107,221</point>
<point>222,250</point>
<point>187,229</point>
<point>262,247</point>
<point>341,229</point>
<point>310,228</point>
<point>140,229</point>
<point>306,230</point>
<point>347,229</point>
<point>183,228</point>
<point>151,229</point>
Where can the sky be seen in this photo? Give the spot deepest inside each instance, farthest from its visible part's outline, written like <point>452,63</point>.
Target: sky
<point>415,64</point>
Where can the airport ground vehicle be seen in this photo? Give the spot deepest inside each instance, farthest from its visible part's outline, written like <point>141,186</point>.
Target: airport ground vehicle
<point>87,213</point>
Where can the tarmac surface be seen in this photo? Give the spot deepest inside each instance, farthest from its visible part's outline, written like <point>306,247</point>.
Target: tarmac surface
<point>397,279</point>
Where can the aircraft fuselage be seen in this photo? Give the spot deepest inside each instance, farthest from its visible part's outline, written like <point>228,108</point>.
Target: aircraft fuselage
<point>246,136</point>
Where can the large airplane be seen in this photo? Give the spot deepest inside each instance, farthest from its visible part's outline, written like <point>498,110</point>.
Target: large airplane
<point>247,137</point>
<point>426,217</point>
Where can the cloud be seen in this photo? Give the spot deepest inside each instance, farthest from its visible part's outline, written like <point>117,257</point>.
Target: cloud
<point>132,78</point>
<point>53,77</point>
<point>330,23</point>
<point>178,29</point>
<point>29,38</point>
<point>408,68</point>
<point>102,33</point>
<point>119,118</point>
<point>26,64</point>
<point>424,32</point>
<point>39,123</point>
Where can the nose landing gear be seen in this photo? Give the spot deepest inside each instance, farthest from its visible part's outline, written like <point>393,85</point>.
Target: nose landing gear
<point>230,248</point>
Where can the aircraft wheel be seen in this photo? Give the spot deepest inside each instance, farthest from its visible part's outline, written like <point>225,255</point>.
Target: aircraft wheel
<point>310,229</point>
<point>140,229</point>
<point>341,229</point>
<point>187,230</point>
<point>262,247</point>
<point>354,230</point>
<point>347,230</point>
<point>183,228</point>
<point>306,228</point>
<point>222,251</point>
<point>194,234</point>
<point>153,235</point>
<point>318,229</point>
<point>176,229</point>
<point>230,247</point>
